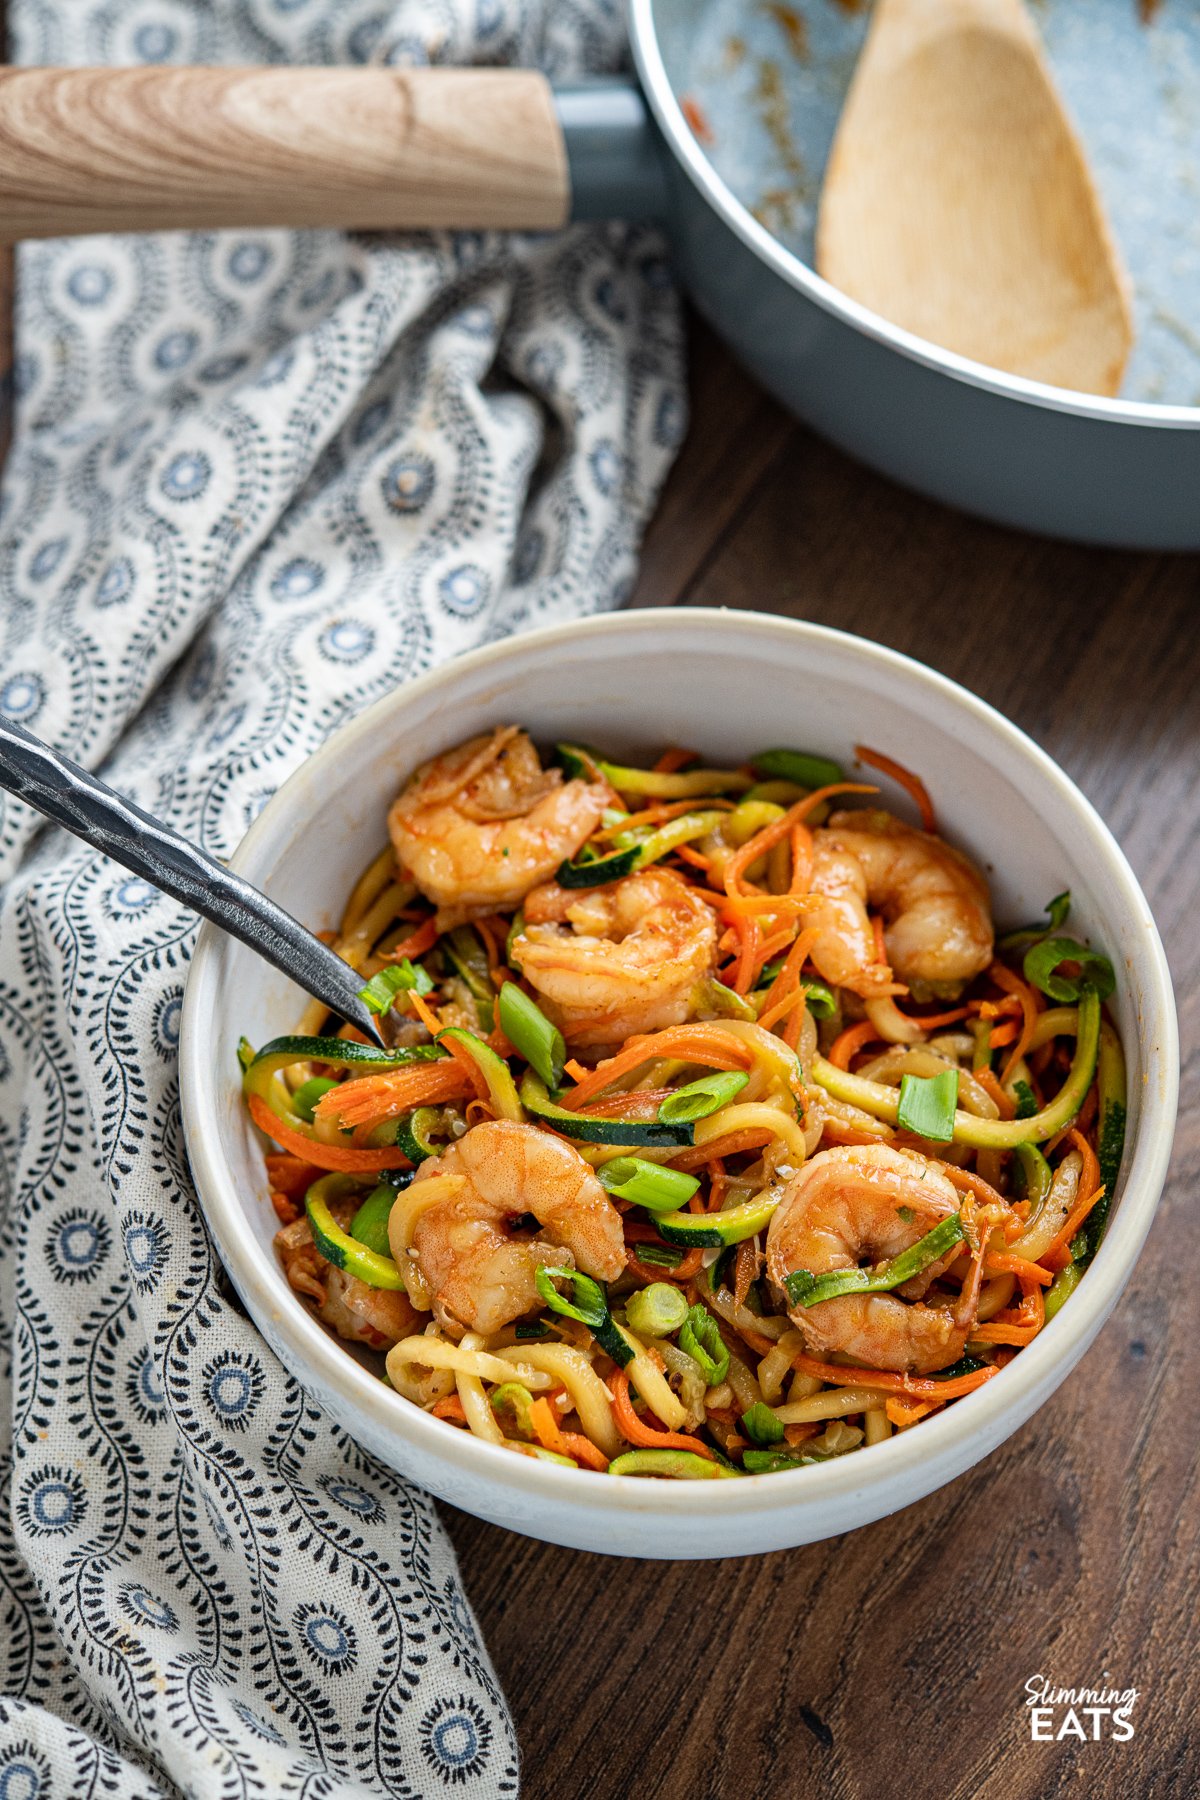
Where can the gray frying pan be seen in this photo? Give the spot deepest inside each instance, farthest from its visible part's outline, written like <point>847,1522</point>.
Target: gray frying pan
<point>372,148</point>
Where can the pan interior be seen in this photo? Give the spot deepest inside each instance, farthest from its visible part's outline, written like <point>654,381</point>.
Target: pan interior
<point>766,80</point>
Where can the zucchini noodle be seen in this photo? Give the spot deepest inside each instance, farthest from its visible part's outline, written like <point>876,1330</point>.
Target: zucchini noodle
<point>761,1116</point>
<point>475,1403</point>
<point>440,1353</point>
<point>572,1368</point>
<point>864,1142</point>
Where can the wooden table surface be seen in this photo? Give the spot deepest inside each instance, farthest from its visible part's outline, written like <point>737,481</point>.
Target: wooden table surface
<point>894,1660</point>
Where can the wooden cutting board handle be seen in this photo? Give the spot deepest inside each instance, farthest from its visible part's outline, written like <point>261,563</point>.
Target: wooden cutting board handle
<point>150,149</point>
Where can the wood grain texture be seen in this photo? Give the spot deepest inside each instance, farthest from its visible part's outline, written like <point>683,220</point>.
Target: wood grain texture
<point>145,149</point>
<point>893,1661</point>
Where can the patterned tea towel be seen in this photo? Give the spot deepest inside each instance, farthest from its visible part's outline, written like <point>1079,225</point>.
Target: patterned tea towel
<point>257,480</point>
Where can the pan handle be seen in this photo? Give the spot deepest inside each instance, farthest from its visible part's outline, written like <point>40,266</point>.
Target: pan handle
<point>160,148</point>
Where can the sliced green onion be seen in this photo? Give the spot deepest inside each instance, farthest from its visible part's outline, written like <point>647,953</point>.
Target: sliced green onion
<point>1026,1100</point>
<point>647,1184</point>
<point>514,1397</point>
<point>797,765</point>
<point>587,1303</point>
<point>1056,918</point>
<point>927,1105</point>
<point>760,1424</point>
<point>701,1098</point>
<point>700,1339</point>
<point>966,1365</point>
<point>1062,1287</point>
<point>245,1054</point>
<point>662,1256</point>
<point>403,977</point>
<point>370,1223</point>
<point>656,1311</point>
<point>531,1034</point>
<point>532,1328</point>
<point>308,1093</point>
<point>806,1289</point>
<point>820,1000</point>
<point>679,1465</point>
<point>1095,970</point>
<point>712,996</point>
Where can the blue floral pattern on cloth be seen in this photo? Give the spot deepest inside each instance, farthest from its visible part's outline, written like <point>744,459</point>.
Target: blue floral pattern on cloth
<point>257,480</point>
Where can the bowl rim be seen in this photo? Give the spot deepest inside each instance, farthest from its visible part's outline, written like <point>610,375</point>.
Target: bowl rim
<point>988,1415</point>
<point>664,104</point>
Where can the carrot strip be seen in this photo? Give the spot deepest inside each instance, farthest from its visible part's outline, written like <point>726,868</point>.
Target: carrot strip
<point>421,940</point>
<point>917,1386</point>
<point>912,784</point>
<point>1012,984</point>
<point>374,1098</point>
<point>935,1021</point>
<point>688,853</point>
<point>576,1070</point>
<point>640,1103</point>
<point>880,946</point>
<point>700,1043</point>
<point>994,1091</point>
<point>1082,1207</point>
<point>788,978</point>
<point>636,1431</point>
<point>968,1182</point>
<point>848,1042</point>
<point>450,1407</point>
<point>802,860</point>
<point>674,759</point>
<point>901,1415</point>
<point>459,1052</point>
<point>778,829</point>
<point>735,1144</point>
<point>999,1262</point>
<point>1019,1327</point>
<point>546,1426</point>
<point>324,1156</point>
<point>584,1451</point>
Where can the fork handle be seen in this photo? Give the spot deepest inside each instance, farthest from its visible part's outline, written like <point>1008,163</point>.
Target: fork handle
<point>162,149</point>
<point>69,796</point>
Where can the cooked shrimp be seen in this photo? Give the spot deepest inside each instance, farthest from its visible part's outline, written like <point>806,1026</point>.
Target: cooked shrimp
<point>361,1314</point>
<point>938,922</point>
<point>478,1272</point>
<point>479,826</point>
<point>860,1203</point>
<point>614,961</point>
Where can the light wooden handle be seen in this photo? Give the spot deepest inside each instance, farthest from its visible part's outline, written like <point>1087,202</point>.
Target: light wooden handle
<point>152,149</point>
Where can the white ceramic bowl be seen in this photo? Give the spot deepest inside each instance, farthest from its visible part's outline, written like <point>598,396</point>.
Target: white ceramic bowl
<point>729,683</point>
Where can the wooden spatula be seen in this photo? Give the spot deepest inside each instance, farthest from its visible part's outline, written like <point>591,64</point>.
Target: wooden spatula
<point>958,202</point>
